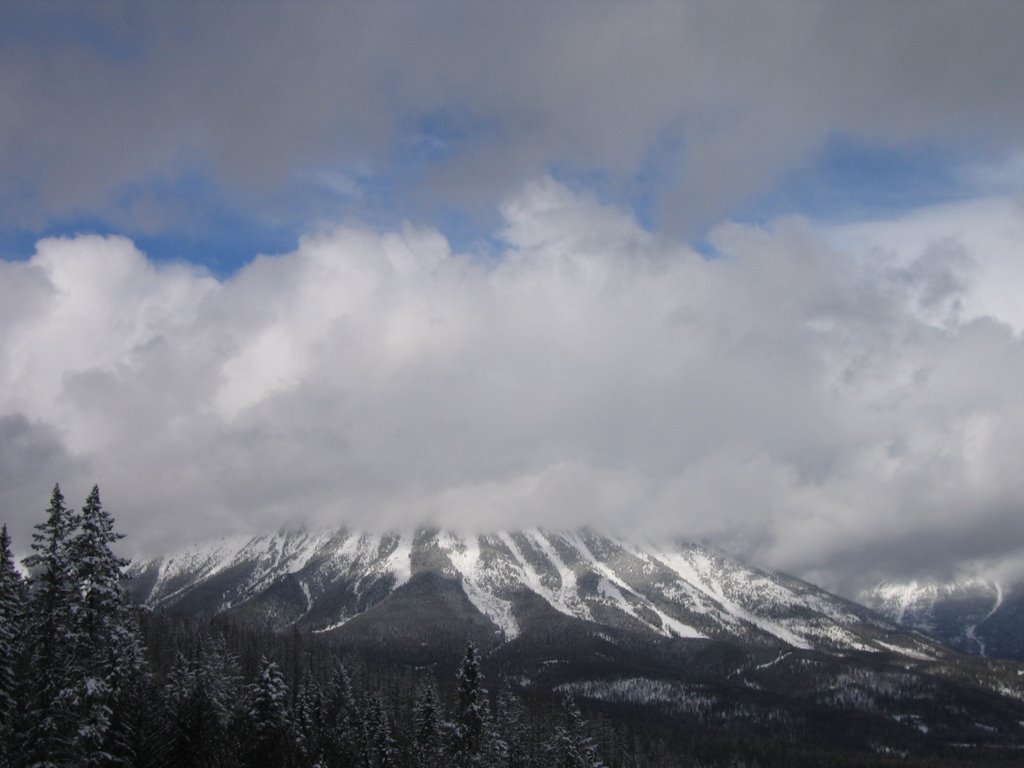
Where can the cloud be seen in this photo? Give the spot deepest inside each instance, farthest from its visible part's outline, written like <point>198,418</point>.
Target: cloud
<point>256,98</point>
<point>803,398</point>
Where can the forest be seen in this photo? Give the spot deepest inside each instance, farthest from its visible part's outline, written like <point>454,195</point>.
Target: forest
<point>88,679</point>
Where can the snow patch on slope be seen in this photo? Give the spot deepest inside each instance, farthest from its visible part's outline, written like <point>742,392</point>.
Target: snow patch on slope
<point>464,555</point>
<point>568,593</point>
<point>198,563</point>
<point>698,571</point>
<point>611,586</point>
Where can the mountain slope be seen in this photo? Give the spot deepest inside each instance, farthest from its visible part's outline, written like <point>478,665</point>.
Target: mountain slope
<point>971,615</point>
<point>670,635</point>
<point>325,582</point>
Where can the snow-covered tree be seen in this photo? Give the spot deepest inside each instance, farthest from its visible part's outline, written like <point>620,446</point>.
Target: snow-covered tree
<point>107,650</point>
<point>269,729</point>
<point>569,746</point>
<point>51,636</point>
<point>344,730</point>
<point>471,714</point>
<point>308,720</point>
<point>430,729</point>
<point>200,700</point>
<point>379,748</point>
<point>510,736</point>
<point>12,608</point>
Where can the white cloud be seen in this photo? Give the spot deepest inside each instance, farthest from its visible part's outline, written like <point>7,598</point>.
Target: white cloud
<point>987,232</point>
<point>806,398</point>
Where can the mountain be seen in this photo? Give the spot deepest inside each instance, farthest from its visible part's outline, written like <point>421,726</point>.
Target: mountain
<point>971,615</point>
<point>340,583</point>
<point>662,635</point>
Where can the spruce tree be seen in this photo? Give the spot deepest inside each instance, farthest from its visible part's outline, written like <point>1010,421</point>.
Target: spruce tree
<point>270,739</point>
<point>200,704</point>
<point>108,653</point>
<point>430,729</point>
<point>50,722</point>
<point>569,746</point>
<point>308,720</point>
<point>510,739</point>
<point>12,608</point>
<point>379,748</point>
<point>344,733</point>
<point>471,713</point>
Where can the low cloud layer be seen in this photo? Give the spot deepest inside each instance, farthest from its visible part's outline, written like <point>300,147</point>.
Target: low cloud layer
<point>804,398</point>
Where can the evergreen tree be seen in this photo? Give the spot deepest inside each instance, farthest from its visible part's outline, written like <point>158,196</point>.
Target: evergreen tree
<point>141,737</point>
<point>107,652</point>
<point>269,728</point>
<point>51,688</point>
<point>430,729</point>
<point>308,720</point>
<point>379,749</point>
<point>12,607</point>
<point>510,739</point>
<point>569,746</point>
<point>344,732</point>
<point>471,713</point>
<point>198,704</point>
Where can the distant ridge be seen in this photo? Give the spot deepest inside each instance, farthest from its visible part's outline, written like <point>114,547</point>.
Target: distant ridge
<point>971,615</point>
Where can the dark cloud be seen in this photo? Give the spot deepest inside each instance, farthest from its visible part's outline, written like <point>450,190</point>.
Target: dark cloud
<point>255,96</point>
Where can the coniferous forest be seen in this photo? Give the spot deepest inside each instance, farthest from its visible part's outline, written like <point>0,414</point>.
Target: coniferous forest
<point>87,678</point>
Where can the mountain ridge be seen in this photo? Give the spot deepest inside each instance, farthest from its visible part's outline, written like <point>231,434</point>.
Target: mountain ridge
<point>973,615</point>
<point>320,580</point>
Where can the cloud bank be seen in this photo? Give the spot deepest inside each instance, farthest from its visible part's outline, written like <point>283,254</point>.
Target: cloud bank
<point>804,397</point>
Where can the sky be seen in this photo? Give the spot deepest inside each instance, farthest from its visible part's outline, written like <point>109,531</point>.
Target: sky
<point>744,273</point>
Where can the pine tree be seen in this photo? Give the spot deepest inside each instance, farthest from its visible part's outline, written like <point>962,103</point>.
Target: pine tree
<point>344,733</point>
<point>471,713</point>
<point>267,716</point>
<point>12,608</point>
<point>108,653</point>
<point>200,706</point>
<point>308,720</point>
<point>569,746</point>
<point>510,739</point>
<point>379,748</point>
<point>141,736</point>
<point>430,729</point>
<point>51,634</point>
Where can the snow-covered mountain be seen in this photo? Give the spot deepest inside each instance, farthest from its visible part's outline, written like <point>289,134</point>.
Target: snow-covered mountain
<point>427,585</point>
<point>675,630</point>
<point>971,615</point>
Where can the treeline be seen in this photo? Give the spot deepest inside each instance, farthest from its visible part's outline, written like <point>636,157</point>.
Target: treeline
<point>86,679</point>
